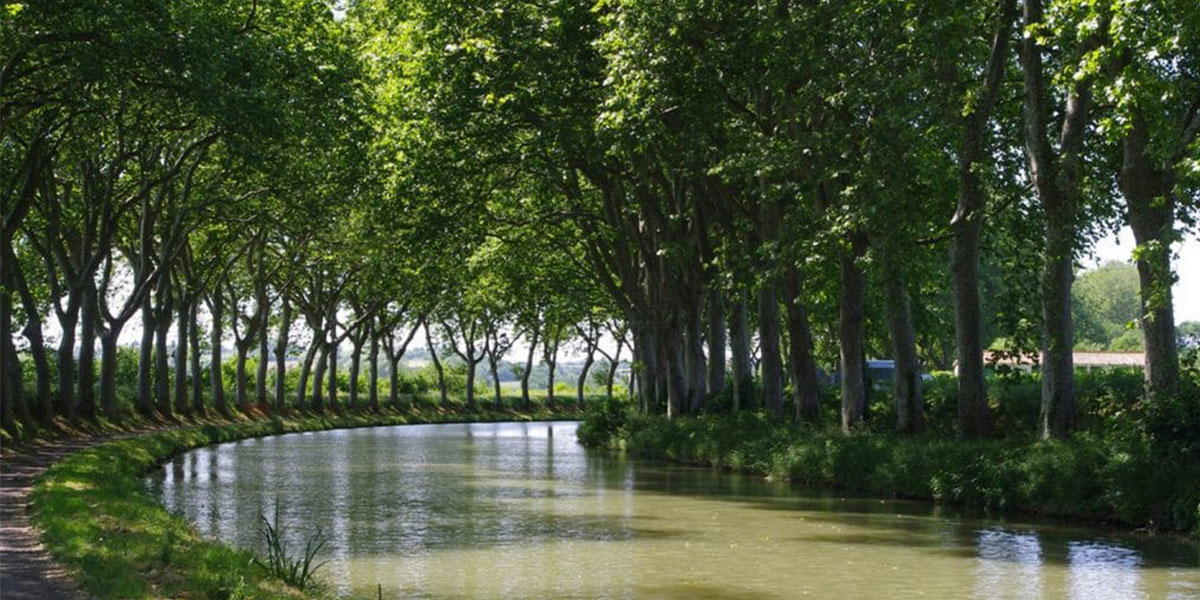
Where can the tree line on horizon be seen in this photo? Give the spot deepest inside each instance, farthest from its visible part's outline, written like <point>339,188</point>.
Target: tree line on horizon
<point>740,193</point>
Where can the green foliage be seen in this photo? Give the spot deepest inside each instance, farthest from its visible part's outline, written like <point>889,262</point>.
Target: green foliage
<point>604,422</point>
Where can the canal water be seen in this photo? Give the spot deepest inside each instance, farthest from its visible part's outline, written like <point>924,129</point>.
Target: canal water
<point>520,510</point>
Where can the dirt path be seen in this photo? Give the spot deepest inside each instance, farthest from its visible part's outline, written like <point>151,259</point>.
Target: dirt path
<point>27,572</point>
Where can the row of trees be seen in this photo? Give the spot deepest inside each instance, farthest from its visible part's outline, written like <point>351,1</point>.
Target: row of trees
<point>807,167</point>
<point>747,191</point>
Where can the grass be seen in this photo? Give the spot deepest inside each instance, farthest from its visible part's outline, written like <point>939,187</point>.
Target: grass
<point>99,521</point>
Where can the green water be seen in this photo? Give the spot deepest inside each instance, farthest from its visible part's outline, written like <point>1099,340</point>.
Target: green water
<point>516,510</point>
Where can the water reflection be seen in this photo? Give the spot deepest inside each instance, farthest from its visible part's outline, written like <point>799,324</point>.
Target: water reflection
<point>520,510</point>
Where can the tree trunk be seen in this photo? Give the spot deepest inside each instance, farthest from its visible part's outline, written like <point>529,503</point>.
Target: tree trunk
<point>768,341</point>
<point>1058,369</point>
<point>611,378</point>
<point>471,405</point>
<point>587,365</point>
<point>162,359</point>
<point>13,400</point>
<point>850,332</point>
<point>334,403</point>
<point>739,346</point>
<point>493,364</point>
<point>305,370</point>
<point>394,381</point>
<point>694,360</point>
<point>281,348</point>
<point>66,358</point>
<point>526,404</point>
<point>243,397</point>
<point>355,367</point>
<point>437,364</point>
<point>37,346</point>
<point>910,415</point>
<point>197,373</point>
<point>217,309</point>
<point>373,374</point>
<point>805,392</point>
<point>183,314</point>
<point>1150,199</point>
<point>973,414</point>
<point>318,387</point>
<point>145,371</point>
<point>264,362</point>
<point>108,373</point>
<point>551,363</point>
<point>716,341</point>
<point>89,315</point>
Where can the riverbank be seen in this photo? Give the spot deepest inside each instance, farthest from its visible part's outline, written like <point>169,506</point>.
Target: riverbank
<point>1086,478</point>
<point>115,540</point>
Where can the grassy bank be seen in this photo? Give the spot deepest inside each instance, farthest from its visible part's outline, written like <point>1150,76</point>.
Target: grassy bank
<point>99,521</point>
<point>1127,481</point>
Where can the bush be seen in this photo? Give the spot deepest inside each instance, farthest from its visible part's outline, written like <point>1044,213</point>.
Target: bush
<point>1139,480</point>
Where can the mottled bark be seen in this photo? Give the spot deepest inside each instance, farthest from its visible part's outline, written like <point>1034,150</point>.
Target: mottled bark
<point>281,349</point>
<point>910,412</point>
<point>716,341</point>
<point>739,346</point>
<point>216,308</point>
<point>771,363</point>
<point>850,337</point>
<point>528,370</point>
<point>802,363</point>
<point>1151,204</point>
<point>182,335</point>
<point>194,358</point>
<point>145,370</point>
<point>968,218</point>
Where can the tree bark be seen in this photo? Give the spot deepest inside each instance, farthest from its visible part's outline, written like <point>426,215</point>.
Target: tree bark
<point>968,218</point>
<point>716,341</point>
<point>264,361</point>
<point>373,373</point>
<point>305,371</point>
<point>771,363</point>
<point>67,369</point>
<point>162,358</point>
<point>910,413</point>
<point>805,391</point>
<point>526,403</point>
<point>1055,179</point>
<point>281,348</point>
<point>108,372</point>
<point>333,365</point>
<point>355,368</point>
<point>850,333</point>
<point>437,364</point>
<point>145,395</point>
<point>739,346</point>
<point>696,370</point>
<point>217,310</point>
<point>241,394</point>
<point>318,387</point>
<point>197,372</point>
<point>587,365</point>
<point>182,335</point>
<point>1150,200</point>
<point>493,364</point>
<point>37,347</point>
<point>88,329</point>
